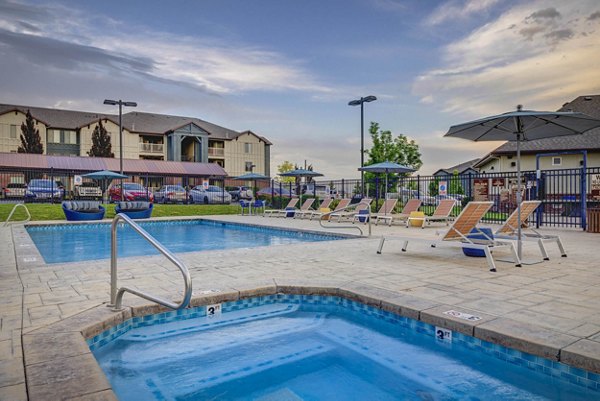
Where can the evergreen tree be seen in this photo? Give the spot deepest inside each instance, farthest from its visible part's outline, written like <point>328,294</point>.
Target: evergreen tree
<point>101,146</point>
<point>31,142</point>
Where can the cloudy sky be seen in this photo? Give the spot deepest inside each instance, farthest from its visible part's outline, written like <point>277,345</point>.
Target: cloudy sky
<point>286,70</point>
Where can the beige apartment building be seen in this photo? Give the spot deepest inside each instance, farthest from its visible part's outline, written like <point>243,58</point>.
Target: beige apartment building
<point>146,136</point>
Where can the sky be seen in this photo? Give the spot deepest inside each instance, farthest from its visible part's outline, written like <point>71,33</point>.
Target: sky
<point>286,70</point>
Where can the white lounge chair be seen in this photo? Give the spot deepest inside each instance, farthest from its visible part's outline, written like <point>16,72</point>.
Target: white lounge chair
<point>458,235</point>
<point>441,213</point>
<point>341,205</point>
<point>324,204</point>
<point>386,209</point>
<point>275,212</point>
<point>412,205</point>
<point>305,206</point>
<point>348,214</point>
<point>510,226</point>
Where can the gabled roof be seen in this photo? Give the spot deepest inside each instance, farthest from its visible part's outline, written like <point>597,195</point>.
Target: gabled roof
<point>459,167</point>
<point>260,138</point>
<point>55,118</point>
<point>590,140</point>
<point>91,164</point>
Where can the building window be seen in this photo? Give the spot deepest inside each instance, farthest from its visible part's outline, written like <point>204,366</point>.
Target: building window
<point>53,136</point>
<point>249,166</point>
<point>13,132</point>
<point>247,147</point>
<point>557,161</point>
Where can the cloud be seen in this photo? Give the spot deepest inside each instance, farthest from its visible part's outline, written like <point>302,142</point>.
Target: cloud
<point>458,10</point>
<point>517,59</point>
<point>594,16</point>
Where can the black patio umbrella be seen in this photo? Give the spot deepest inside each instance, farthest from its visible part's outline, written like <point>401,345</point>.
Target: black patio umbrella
<point>387,167</point>
<point>523,125</point>
<point>105,176</point>
<point>252,176</point>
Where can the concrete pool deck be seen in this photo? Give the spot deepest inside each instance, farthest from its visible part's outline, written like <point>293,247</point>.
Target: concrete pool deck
<point>550,309</point>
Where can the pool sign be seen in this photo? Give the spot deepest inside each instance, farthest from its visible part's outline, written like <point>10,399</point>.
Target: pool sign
<point>205,184</point>
<point>213,310</point>
<point>77,180</point>
<point>443,334</point>
<point>443,188</point>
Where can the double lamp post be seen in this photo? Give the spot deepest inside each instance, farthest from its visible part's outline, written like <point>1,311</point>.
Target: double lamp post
<point>361,102</point>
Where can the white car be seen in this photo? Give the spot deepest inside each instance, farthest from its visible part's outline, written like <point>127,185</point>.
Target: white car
<point>212,194</point>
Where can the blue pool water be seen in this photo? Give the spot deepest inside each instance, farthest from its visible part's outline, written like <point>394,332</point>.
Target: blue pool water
<point>79,242</point>
<point>289,347</point>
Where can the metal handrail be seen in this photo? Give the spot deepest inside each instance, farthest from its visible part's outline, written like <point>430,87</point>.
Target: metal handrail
<point>116,296</point>
<point>368,216</point>
<point>13,212</point>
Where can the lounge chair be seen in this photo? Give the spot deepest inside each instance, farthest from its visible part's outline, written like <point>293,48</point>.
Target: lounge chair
<point>341,205</point>
<point>291,204</point>
<point>83,210</point>
<point>135,209</point>
<point>364,204</point>
<point>324,204</point>
<point>412,205</point>
<point>510,226</point>
<point>305,207</point>
<point>458,234</point>
<point>441,213</point>
<point>385,209</point>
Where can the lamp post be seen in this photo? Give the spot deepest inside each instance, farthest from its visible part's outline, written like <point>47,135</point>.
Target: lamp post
<point>121,103</point>
<point>361,102</point>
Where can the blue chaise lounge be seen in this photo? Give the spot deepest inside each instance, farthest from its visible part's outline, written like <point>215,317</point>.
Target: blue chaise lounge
<point>135,210</point>
<point>83,210</point>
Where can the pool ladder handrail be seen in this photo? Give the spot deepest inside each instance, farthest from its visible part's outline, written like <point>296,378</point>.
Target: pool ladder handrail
<point>367,216</point>
<point>116,295</point>
<point>13,212</point>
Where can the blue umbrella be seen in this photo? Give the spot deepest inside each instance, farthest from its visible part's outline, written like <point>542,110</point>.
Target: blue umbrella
<point>300,172</point>
<point>387,167</point>
<point>253,177</point>
<point>106,176</point>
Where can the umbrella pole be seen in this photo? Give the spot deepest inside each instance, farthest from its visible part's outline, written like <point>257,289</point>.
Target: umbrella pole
<point>519,242</point>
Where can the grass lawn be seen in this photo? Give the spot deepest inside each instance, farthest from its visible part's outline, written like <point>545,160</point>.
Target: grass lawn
<point>43,211</point>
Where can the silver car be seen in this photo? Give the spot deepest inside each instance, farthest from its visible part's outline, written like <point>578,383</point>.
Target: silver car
<point>211,194</point>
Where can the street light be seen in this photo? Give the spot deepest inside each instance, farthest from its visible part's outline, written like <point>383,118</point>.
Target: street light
<point>360,102</point>
<point>121,104</point>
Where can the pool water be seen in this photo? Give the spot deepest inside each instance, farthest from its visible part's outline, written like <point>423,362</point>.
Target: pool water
<point>328,348</point>
<point>80,242</point>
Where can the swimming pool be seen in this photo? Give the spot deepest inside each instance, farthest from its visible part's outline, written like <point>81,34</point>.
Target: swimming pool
<point>293,347</point>
<point>80,242</point>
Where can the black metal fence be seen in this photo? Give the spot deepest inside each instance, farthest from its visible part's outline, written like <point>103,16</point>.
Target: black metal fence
<point>566,195</point>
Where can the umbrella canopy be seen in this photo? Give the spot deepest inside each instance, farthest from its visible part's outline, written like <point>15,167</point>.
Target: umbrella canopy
<point>523,125</point>
<point>387,167</point>
<point>251,176</point>
<point>301,173</point>
<point>104,175</point>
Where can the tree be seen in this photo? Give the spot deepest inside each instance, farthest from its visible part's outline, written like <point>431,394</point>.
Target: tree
<point>284,168</point>
<point>101,146</point>
<point>31,142</point>
<point>388,149</point>
<point>455,186</point>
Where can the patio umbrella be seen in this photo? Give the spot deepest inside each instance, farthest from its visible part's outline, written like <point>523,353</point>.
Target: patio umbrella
<point>252,176</point>
<point>106,176</point>
<point>301,173</point>
<point>523,125</point>
<point>386,167</point>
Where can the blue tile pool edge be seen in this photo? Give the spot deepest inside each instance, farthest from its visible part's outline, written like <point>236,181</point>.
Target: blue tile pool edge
<point>554,369</point>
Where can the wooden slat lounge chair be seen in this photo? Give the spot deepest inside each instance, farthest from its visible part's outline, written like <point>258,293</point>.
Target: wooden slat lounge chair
<point>510,226</point>
<point>348,214</point>
<point>386,208</point>
<point>345,202</point>
<point>441,213</point>
<point>412,205</point>
<point>458,233</point>
<point>292,203</point>
<point>324,204</point>
<point>306,205</point>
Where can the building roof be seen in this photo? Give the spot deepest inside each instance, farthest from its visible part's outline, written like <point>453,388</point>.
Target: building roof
<point>90,164</point>
<point>459,167</point>
<point>134,121</point>
<point>590,140</point>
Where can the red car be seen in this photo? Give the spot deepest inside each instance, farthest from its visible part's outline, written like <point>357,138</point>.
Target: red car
<point>132,192</point>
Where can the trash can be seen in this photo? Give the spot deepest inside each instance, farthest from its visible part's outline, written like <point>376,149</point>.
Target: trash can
<point>478,234</point>
<point>593,220</point>
<point>417,219</point>
<point>325,210</point>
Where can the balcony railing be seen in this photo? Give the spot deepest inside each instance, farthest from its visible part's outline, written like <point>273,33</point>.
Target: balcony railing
<point>151,147</point>
<point>216,152</point>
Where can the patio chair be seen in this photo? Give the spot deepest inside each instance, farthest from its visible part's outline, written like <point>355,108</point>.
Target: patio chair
<point>83,210</point>
<point>412,205</point>
<point>135,209</point>
<point>386,208</point>
<point>341,205</point>
<point>244,206</point>
<point>459,233</point>
<point>509,229</point>
<point>324,205</point>
<point>305,207</point>
<point>364,204</point>
<point>271,212</point>
<point>441,213</point>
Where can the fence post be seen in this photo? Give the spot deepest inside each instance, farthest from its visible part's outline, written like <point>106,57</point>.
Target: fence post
<point>343,189</point>
<point>583,197</point>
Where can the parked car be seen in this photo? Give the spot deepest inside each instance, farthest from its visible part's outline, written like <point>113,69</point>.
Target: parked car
<point>132,192</point>
<point>42,189</point>
<point>268,191</point>
<point>88,190</point>
<point>238,193</point>
<point>170,194</point>
<point>15,190</point>
<point>212,194</point>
